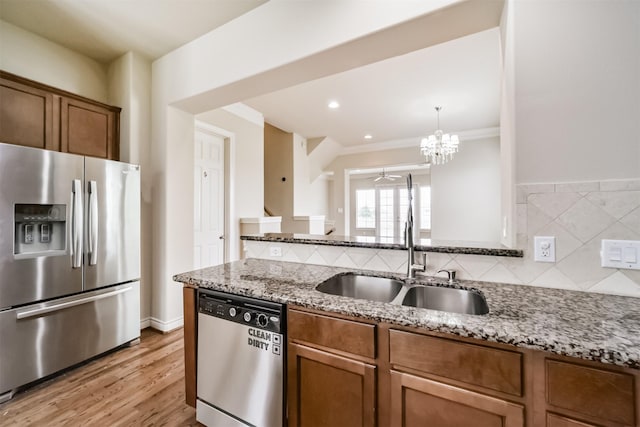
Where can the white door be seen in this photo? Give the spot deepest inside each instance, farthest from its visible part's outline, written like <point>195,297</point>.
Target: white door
<point>208,199</point>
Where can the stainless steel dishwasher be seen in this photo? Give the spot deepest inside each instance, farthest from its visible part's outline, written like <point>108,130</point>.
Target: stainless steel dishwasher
<point>241,361</point>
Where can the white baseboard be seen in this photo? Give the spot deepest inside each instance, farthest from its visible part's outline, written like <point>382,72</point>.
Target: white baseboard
<point>145,323</point>
<point>163,326</point>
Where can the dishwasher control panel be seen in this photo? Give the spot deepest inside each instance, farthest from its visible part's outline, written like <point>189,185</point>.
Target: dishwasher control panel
<point>264,315</point>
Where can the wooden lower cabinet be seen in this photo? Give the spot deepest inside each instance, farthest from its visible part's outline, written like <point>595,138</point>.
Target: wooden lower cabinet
<point>344,371</point>
<point>325,389</point>
<point>554,420</point>
<point>417,401</point>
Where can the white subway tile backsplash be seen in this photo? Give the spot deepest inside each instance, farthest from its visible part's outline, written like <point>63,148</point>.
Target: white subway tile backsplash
<point>553,204</point>
<point>476,265</point>
<point>585,220</point>
<point>554,278</point>
<point>632,219</point>
<point>536,220</point>
<point>578,187</point>
<point>501,274</point>
<point>617,284</point>
<point>523,191</point>
<point>620,185</point>
<point>615,203</point>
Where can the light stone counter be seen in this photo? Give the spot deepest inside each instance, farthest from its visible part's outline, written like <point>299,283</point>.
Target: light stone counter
<point>597,327</point>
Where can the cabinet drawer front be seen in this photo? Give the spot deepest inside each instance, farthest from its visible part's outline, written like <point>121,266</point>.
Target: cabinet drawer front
<point>487,367</point>
<point>344,335</point>
<point>596,392</point>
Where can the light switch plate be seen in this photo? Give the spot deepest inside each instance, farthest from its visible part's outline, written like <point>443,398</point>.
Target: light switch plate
<point>620,254</point>
<point>544,249</point>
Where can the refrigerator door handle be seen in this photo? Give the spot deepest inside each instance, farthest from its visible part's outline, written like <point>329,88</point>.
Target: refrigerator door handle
<point>93,222</point>
<point>76,224</point>
<point>33,312</point>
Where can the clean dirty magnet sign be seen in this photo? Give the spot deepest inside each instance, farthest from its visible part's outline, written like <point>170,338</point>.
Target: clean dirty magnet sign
<point>265,341</point>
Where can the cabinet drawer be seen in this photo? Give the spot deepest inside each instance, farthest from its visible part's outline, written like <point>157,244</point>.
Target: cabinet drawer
<point>339,334</point>
<point>603,394</point>
<point>487,367</point>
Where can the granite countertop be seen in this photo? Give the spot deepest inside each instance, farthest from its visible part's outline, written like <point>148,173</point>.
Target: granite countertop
<point>603,328</point>
<point>423,245</point>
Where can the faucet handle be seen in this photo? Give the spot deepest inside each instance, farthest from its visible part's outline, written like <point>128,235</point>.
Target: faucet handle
<point>424,259</point>
<point>451,274</point>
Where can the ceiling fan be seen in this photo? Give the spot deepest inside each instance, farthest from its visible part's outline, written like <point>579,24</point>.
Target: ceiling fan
<point>385,176</point>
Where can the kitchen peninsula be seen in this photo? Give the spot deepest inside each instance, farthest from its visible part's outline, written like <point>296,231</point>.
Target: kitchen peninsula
<point>375,242</point>
<point>539,357</point>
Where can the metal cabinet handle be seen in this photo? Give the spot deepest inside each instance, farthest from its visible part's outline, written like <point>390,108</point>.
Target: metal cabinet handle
<point>24,314</point>
<point>93,222</point>
<point>76,224</point>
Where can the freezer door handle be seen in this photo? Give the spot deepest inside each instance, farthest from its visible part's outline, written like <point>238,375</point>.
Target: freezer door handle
<point>76,224</point>
<point>33,312</point>
<point>93,222</point>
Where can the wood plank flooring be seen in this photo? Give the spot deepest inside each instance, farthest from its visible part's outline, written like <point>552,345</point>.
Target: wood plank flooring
<point>141,385</point>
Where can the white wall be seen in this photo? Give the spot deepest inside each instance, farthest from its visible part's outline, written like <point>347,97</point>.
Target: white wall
<point>278,164</point>
<point>577,68</point>
<point>507,129</point>
<point>130,87</point>
<point>465,194</point>
<point>310,196</point>
<point>28,55</point>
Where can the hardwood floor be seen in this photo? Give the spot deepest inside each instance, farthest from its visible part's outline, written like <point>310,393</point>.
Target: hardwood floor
<point>141,385</point>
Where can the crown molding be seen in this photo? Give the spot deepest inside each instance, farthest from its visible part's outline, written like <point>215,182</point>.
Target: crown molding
<point>469,135</point>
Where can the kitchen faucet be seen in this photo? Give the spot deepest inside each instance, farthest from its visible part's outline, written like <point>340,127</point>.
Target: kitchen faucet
<point>412,266</point>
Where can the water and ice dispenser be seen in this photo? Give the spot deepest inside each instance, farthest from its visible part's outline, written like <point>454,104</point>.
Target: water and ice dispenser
<point>39,229</point>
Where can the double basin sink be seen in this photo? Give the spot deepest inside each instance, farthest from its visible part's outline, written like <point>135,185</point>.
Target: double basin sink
<point>394,291</point>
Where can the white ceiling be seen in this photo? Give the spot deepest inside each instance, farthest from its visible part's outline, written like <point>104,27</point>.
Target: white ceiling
<point>106,29</point>
<point>395,99</point>
<point>391,100</point>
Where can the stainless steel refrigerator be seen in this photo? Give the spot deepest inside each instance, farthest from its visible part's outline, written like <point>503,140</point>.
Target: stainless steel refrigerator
<point>69,261</point>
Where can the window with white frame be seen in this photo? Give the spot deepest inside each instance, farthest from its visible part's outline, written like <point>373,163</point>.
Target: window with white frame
<point>366,208</point>
<point>425,207</point>
<point>383,209</point>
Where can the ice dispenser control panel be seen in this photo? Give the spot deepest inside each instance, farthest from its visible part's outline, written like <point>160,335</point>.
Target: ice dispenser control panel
<point>39,229</point>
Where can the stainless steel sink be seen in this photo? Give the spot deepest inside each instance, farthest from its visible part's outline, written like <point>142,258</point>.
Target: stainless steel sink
<point>446,299</point>
<point>371,288</point>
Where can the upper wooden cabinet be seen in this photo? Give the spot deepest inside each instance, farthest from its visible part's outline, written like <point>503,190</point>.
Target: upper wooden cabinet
<point>37,115</point>
<point>26,115</point>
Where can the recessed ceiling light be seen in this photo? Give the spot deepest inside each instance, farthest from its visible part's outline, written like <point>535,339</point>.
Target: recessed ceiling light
<point>368,136</point>
<point>333,105</point>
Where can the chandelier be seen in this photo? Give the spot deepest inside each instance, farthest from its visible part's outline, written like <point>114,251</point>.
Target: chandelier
<point>440,147</point>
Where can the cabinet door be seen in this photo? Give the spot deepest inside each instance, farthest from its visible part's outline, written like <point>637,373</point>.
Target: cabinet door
<point>26,116</point>
<point>329,390</point>
<point>88,129</point>
<point>417,401</point>
<point>554,420</point>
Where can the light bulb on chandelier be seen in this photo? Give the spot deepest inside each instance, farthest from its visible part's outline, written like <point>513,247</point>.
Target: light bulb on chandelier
<point>440,147</point>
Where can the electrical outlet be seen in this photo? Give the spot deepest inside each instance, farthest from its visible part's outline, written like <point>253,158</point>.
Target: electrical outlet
<point>275,251</point>
<point>544,248</point>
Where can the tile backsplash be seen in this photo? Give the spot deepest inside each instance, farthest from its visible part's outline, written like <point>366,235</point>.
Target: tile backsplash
<point>578,214</point>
